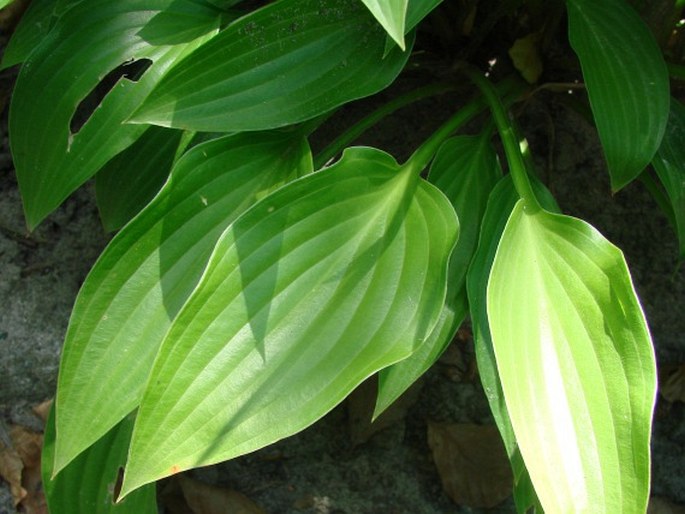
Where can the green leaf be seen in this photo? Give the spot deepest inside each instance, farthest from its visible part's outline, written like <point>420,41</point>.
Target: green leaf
<point>391,15</point>
<point>88,484</point>
<point>288,62</point>
<point>32,28</point>
<point>148,271</point>
<point>465,169</point>
<point>5,3</point>
<point>311,291</point>
<point>575,361</point>
<point>626,80</point>
<point>417,10</point>
<point>47,93</point>
<point>131,179</point>
<point>500,204</point>
<point>669,163</point>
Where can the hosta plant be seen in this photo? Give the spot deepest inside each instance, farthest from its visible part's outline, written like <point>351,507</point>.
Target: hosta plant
<point>252,284</point>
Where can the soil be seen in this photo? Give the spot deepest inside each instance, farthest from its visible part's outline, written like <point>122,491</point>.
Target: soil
<point>330,468</point>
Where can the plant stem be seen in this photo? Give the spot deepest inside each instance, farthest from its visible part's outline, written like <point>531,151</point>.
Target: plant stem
<point>352,133</point>
<point>424,154</point>
<point>514,148</point>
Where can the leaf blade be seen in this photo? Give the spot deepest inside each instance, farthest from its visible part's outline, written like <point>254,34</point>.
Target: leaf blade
<point>575,362</point>
<point>391,15</point>
<point>627,83</point>
<point>147,272</point>
<point>306,295</point>
<point>286,63</point>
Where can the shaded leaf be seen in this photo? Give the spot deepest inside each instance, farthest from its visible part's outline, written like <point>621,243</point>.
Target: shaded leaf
<point>208,499</point>
<point>89,484</point>
<point>526,57</point>
<point>626,80</point>
<point>32,28</point>
<point>465,169</point>
<point>471,462</point>
<point>672,383</point>
<point>575,361</point>
<point>118,32</point>
<point>148,271</point>
<point>251,76</point>
<point>131,179</point>
<point>391,15</point>
<point>669,164</point>
<point>311,291</point>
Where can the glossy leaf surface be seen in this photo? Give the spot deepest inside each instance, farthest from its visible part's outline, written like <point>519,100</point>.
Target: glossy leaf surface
<point>288,62</point>
<point>148,271</point>
<point>391,15</point>
<point>311,291</point>
<point>626,80</point>
<point>131,179</point>
<point>88,484</point>
<point>669,163</point>
<point>47,93</point>
<point>465,169</point>
<point>575,361</point>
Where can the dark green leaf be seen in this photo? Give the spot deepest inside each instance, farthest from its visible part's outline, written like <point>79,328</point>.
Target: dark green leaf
<point>131,179</point>
<point>465,169</point>
<point>669,163</point>
<point>311,291</point>
<point>148,271</point>
<point>288,62</point>
<point>626,80</point>
<point>88,484</point>
<point>88,41</point>
<point>32,28</point>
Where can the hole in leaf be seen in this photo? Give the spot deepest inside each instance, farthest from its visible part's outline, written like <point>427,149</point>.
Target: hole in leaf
<point>131,70</point>
<point>117,485</point>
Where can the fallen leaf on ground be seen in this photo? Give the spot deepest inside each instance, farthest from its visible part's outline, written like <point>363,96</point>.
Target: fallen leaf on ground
<point>672,383</point>
<point>28,446</point>
<point>42,410</point>
<point>10,470</point>
<point>659,505</point>
<point>526,57</point>
<point>185,495</point>
<point>472,463</point>
<point>360,406</point>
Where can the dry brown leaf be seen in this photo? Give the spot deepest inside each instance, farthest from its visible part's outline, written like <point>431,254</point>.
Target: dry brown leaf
<point>672,383</point>
<point>360,407</point>
<point>209,499</point>
<point>42,410</point>
<point>659,505</point>
<point>11,467</point>
<point>472,463</point>
<point>28,446</point>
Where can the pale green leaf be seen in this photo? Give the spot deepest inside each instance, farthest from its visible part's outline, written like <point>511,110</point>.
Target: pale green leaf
<point>88,484</point>
<point>311,291</point>
<point>131,179</point>
<point>575,361</point>
<point>55,79</point>
<point>4,3</point>
<point>417,10</point>
<point>148,271</point>
<point>285,63</point>
<point>500,204</point>
<point>465,169</point>
<point>391,15</point>
<point>669,163</point>
<point>626,80</point>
